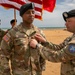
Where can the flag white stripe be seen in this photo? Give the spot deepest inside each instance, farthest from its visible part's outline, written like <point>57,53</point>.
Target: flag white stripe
<point>38,5</point>
<point>38,13</point>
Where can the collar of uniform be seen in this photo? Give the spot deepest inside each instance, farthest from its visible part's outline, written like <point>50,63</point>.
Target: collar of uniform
<point>24,26</point>
<point>26,30</point>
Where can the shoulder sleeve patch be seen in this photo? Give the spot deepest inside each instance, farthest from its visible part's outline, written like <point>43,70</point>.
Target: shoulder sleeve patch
<point>72,48</point>
<point>6,37</point>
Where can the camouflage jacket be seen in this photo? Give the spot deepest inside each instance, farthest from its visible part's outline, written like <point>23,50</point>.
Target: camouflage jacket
<point>64,53</point>
<point>2,33</point>
<point>15,46</point>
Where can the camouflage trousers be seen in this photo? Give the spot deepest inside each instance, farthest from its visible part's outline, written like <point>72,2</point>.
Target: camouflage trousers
<point>25,72</point>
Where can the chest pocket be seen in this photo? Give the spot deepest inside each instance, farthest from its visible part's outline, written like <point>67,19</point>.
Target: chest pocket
<point>20,43</point>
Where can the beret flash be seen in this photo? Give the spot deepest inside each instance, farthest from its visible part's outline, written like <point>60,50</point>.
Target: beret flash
<point>69,14</point>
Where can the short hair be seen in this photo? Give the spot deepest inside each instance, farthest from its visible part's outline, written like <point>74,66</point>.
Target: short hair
<point>12,21</point>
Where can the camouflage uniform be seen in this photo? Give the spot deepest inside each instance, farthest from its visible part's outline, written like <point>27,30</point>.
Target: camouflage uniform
<point>2,33</point>
<point>3,61</point>
<point>64,53</point>
<point>15,46</point>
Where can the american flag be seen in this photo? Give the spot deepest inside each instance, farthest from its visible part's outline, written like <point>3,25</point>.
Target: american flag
<point>39,5</point>
<point>12,3</point>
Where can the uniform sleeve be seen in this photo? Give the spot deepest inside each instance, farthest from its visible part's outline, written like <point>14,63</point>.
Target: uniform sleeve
<point>2,33</point>
<point>57,47</point>
<point>43,34</point>
<point>52,45</point>
<point>6,47</point>
<point>62,55</point>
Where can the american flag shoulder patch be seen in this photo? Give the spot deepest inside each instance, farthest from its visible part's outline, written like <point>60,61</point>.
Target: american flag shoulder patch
<point>6,37</point>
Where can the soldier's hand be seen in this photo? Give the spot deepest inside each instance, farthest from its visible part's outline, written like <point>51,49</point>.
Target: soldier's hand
<point>33,43</point>
<point>40,38</point>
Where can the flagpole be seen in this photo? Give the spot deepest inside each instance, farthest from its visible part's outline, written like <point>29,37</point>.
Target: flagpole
<point>15,15</point>
<point>0,21</point>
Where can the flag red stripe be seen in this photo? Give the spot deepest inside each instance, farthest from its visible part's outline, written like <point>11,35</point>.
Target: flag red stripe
<point>36,1</point>
<point>19,1</point>
<point>38,9</point>
<point>9,6</point>
<point>39,17</point>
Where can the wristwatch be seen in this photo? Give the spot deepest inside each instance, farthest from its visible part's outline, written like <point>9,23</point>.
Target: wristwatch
<point>38,46</point>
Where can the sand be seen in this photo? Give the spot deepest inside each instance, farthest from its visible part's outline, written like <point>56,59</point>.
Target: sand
<point>56,36</point>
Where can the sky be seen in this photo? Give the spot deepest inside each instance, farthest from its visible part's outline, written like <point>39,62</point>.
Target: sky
<point>50,19</point>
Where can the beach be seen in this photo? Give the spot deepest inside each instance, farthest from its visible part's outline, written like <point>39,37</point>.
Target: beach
<point>56,36</point>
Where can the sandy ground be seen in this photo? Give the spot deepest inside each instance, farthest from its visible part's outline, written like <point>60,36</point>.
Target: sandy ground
<point>56,36</point>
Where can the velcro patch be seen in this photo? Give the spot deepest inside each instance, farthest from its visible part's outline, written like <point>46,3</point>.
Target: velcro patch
<point>72,48</point>
<point>6,37</point>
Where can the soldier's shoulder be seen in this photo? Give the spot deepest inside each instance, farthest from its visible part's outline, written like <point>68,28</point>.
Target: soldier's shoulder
<point>70,49</point>
<point>1,30</point>
<point>13,31</point>
<point>16,28</point>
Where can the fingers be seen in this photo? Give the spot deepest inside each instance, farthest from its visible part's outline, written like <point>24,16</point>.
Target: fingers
<point>33,43</point>
<point>38,35</point>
